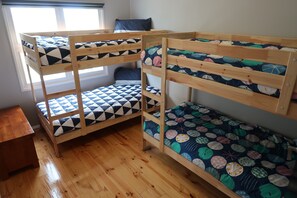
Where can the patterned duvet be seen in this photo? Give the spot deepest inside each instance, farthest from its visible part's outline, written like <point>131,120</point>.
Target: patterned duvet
<point>55,50</point>
<point>249,160</point>
<point>100,104</point>
<point>153,56</point>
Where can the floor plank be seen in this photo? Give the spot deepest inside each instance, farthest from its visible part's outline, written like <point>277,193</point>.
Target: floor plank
<point>106,164</point>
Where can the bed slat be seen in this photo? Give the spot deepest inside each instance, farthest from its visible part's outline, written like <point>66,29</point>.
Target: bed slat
<point>67,33</point>
<point>32,64</point>
<point>151,70</point>
<point>31,53</point>
<point>104,37</point>
<point>57,68</point>
<point>152,96</point>
<point>262,55</point>
<point>104,49</point>
<point>112,36</point>
<point>243,74</point>
<point>243,96</point>
<point>287,42</point>
<point>28,38</point>
<point>63,115</point>
<point>151,117</point>
<point>108,61</point>
<point>153,40</point>
<point>60,94</point>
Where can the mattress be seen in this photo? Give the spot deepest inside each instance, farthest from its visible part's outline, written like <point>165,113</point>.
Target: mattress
<point>153,56</point>
<point>103,103</point>
<point>248,159</point>
<point>56,50</point>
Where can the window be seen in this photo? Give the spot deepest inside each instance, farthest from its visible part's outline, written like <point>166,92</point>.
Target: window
<point>49,18</point>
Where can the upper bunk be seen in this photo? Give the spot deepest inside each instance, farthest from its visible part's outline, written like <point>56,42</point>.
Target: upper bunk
<point>257,71</point>
<point>51,52</point>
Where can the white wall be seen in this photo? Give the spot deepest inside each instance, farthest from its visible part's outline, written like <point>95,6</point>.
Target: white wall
<point>10,91</point>
<point>264,17</point>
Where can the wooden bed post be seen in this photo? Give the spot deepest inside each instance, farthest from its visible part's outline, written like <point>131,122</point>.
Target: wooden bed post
<point>190,92</point>
<point>50,119</point>
<point>145,145</point>
<point>31,84</point>
<point>288,85</point>
<point>74,64</point>
<point>45,95</point>
<point>163,93</point>
<point>33,60</point>
<point>44,91</point>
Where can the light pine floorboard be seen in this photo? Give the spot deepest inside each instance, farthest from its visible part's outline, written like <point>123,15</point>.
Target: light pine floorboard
<point>106,164</point>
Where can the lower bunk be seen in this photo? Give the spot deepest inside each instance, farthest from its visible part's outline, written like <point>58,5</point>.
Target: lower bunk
<point>239,159</point>
<point>103,107</point>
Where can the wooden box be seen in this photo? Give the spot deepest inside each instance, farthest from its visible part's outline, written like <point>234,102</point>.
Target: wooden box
<point>17,148</point>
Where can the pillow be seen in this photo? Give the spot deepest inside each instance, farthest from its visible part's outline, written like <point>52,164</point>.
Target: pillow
<point>132,25</point>
<point>127,76</point>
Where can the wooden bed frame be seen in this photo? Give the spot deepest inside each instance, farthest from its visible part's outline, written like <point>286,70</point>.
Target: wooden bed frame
<point>282,105</point>
<point>75,37</point>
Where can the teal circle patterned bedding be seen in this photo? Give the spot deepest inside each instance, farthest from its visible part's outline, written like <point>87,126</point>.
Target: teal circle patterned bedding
<point>248,159</point>
<point>153,56</point>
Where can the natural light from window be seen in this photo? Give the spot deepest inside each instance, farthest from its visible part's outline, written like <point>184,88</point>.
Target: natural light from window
<point>34,19</point>
<point>45,19</point>
<point>79,19</point>
<point>49,23</point>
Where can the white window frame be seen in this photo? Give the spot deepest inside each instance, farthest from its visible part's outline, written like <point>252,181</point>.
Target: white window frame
<point>16,50</point>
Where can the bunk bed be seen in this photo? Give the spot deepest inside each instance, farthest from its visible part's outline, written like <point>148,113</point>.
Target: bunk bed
<point>239,159</point>
<point>70,51</point>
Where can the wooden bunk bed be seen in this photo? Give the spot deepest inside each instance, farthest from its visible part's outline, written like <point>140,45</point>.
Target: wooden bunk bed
<point>167,47</point>
<point>74,63</point>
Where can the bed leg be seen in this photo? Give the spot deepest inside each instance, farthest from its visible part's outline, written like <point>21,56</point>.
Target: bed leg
<point>57,151</point>
<point>145,145</point>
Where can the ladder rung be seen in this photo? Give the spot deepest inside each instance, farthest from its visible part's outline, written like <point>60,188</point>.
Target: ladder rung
<point>151,95</point>
<point>60,94</point>
<point>63,115</point>
<point>151,117</point>
<point>156,71</point>
<point>153,109</point>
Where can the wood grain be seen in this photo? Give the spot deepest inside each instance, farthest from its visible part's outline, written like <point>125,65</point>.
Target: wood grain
<point>16,142</point>
<point>108,164</point>
<point>274,105</point>
<point>262,55</point>
<point>243,74</point>
<point>288,85</point>
<point>74,66</point>
<point>288,42</point>
<point>13,124</point>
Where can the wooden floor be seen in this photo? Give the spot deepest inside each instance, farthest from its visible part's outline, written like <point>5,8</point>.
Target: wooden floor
<point>108,164</point>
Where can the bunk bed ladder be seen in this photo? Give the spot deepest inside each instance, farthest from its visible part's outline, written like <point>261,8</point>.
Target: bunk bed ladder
<point>36,65</point>
<point>159,98</point>
<point>145,94</point>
